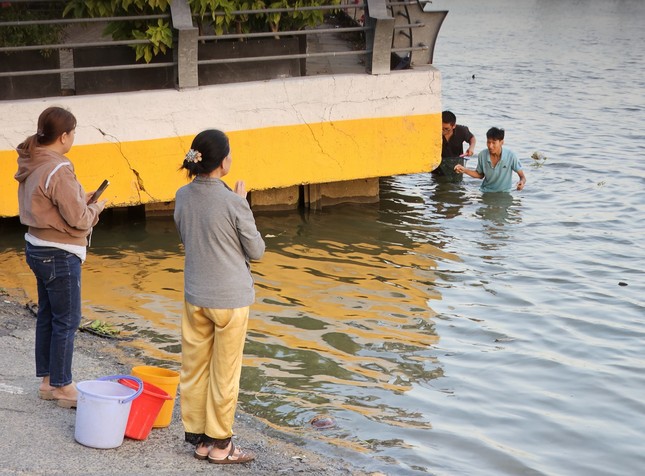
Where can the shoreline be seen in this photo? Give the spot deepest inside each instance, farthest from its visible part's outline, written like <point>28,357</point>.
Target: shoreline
<point>39,435</point>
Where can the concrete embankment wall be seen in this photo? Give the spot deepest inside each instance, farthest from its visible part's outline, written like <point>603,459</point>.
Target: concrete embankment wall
<point>284,132</point>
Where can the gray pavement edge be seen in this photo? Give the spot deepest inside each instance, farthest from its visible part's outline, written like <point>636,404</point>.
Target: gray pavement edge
<point>38,436</point>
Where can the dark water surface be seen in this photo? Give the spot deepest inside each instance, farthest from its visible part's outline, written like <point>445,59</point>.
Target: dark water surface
<point>447,332</point>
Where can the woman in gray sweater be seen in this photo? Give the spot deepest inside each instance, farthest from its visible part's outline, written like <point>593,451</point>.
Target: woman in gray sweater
<point>219,235</point>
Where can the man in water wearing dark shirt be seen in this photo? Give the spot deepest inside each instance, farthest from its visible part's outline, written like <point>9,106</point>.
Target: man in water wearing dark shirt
<point>453,138</point>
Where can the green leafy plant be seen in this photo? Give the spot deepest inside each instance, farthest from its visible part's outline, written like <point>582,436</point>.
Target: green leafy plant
<point>160,37</point>
<point>31,35</point>
<point>101,328</point>
<point>257,22</point>
<point>212,15</point>
<point>157,32</point>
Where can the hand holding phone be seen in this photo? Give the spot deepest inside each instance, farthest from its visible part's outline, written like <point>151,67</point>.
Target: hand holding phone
<point>98,192</point>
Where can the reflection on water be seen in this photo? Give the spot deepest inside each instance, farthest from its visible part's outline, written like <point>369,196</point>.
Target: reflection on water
<point>446,331</point>
<point>446,199</point>
<point>341,320</point>
<point>499,209</point>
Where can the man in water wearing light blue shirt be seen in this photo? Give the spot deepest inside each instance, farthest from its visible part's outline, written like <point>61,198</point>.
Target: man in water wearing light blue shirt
<point>496,165</point>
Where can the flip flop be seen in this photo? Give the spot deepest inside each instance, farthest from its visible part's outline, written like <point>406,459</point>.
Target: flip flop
<point>243,457</point>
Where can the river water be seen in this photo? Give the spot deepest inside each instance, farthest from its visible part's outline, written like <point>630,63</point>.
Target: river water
<point>447,332</point>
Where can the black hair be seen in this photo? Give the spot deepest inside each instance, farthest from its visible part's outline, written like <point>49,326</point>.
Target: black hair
<point>495,133</point>
<point>207,152</point>
<point>447,117</point>
<point>53,122</point>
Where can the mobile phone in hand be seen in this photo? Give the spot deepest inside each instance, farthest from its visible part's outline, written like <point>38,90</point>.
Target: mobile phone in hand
<point>99,191</point>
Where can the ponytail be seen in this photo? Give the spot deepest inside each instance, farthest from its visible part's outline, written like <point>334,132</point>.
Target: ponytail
<point>29,144</point>
<point>53,122</point>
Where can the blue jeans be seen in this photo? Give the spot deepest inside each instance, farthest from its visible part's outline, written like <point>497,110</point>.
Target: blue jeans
<point>58,275</point>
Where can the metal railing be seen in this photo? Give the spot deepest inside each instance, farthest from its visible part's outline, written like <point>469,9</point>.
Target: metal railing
<point>394,35</point>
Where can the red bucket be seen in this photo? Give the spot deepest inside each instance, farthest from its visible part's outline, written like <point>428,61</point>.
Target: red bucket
<point>144,409</point>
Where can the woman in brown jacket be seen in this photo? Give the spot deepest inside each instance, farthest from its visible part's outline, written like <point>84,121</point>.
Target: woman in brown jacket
<point>55,207</point>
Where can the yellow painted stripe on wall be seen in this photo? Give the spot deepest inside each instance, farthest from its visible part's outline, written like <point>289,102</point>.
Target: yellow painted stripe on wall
<point>273,157</point>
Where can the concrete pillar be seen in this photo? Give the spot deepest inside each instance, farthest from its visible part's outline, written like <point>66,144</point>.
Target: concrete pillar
<point>159,209</point>
<point>186,48</point>
<point>350,191</point>
<point>275,199</point>
<point>315,196</point>
<point>379,35</point>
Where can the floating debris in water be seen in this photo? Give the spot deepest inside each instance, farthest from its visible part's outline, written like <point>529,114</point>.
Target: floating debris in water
<point>322,422</point>
<point>621,283</point>
<point>539,159</point>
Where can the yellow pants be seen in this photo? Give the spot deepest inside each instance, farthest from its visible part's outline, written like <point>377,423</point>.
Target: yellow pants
<point>212,346</point>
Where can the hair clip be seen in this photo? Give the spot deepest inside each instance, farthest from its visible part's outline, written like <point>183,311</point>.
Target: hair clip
<point>193,156</point>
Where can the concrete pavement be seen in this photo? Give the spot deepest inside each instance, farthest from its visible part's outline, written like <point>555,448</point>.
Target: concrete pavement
<point>38,436</point>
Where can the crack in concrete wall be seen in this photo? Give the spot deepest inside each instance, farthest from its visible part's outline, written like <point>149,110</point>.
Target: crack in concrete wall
<point>304,121</point>
<point>140,186</point>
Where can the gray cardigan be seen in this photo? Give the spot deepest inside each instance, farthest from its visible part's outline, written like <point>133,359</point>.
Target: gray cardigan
<point>219,235</point>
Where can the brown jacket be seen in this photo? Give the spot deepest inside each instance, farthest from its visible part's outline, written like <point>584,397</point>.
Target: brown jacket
<point>51,201</point>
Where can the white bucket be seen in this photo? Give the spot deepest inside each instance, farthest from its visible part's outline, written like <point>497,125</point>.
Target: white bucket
<point>102,411</point>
